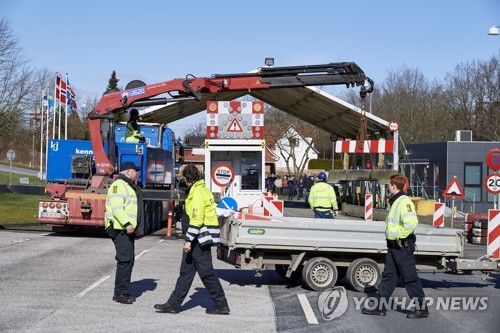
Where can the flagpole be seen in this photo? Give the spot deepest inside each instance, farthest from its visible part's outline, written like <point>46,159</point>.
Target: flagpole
<point>66,110</point>
<point>41,134</point>
<point>54,110</point>
<point>47,134</point>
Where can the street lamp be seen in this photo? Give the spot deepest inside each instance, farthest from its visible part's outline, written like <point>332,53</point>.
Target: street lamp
<point>494,30</point>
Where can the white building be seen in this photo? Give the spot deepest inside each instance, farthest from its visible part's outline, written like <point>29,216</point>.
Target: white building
<point>294,150</point>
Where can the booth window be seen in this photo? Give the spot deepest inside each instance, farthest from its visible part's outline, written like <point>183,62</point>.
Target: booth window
<point>251,170</point>
<point>473,183</point>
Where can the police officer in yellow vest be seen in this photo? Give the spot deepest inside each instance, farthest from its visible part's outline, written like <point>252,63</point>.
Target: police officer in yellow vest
<point>400,261</point>
<point>322,199</point>
<point>121,223</point>
<point>133,130</point>
<point>202,231</point>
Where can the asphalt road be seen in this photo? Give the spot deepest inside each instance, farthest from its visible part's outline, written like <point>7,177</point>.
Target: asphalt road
<point>21,171</point>
<point>64,283</point>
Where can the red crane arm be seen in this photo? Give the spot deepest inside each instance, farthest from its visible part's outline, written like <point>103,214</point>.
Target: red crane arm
<point>347,73</point>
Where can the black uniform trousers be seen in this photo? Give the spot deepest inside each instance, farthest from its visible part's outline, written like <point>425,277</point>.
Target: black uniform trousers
<point>199,259</point>
<point>125,257</point>
<point>401,262</point>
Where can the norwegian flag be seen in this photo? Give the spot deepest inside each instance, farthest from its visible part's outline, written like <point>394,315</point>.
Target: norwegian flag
<point>61,89</point>
<point>70,96</point>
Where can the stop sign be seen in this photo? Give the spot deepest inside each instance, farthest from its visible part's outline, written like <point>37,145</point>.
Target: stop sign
<point>493,159</point>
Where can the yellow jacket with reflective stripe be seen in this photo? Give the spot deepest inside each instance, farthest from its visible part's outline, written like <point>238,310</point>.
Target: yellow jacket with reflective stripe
<point>401,220</point>
<point>203,220</point>
<point>121,205</point>
<point>322,197</point>
<point>132,135</point>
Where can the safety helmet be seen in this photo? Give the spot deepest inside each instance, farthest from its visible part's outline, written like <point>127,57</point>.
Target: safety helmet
<point>322,175</point>
<point>134,112</point>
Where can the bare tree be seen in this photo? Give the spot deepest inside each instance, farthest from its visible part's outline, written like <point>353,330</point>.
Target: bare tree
<point>199,129</point>
<point>473,98</point>
<point>286,134</point>
<point>406,98</point>
<point>16,79</point>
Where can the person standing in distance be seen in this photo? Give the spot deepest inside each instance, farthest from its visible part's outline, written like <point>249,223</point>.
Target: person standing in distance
<point>202,232</point>
<point>399,261</point>
<point>322,199</point>
<point>133,130</point>
<point>121,222</point>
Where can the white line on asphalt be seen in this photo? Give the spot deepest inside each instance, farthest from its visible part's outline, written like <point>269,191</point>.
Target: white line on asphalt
<point>21,240</point>
<point>308,311</point>
<point>140,254</point>
<point>95,284</point>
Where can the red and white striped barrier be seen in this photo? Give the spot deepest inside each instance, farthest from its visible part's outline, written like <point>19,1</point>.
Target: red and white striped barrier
<point>368,207</point>
<point>370,146</point>
<point>438,217</point>
<point>272,206</point>
<point>493,244</point>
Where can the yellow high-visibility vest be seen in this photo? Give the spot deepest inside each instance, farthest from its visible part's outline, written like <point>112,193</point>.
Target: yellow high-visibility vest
<point>121,205</point>
<point>402,219</point>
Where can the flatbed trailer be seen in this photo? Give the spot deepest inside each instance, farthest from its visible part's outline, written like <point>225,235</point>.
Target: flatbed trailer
<point>322,251</point>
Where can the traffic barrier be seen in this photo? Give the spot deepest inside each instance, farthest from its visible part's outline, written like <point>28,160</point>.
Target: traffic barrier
<point>368,207</point>
<point>272,206</point>
<point>276,207</point>
<point>438,217</point>
<point>493,244</point>
<point>169,224</point>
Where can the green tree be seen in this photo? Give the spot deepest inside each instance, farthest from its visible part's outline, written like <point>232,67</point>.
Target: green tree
<point>113,81</point>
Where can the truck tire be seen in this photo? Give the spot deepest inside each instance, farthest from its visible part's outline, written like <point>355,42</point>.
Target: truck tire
<point>282,269</point>
<point>319,274</point>
<point>363,273</point>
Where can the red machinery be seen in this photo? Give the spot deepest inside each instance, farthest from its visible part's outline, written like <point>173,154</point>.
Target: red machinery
<point>84,203</point>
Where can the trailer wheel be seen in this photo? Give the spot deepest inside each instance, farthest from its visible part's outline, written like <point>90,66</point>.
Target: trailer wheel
<point>319,274</point>
<point>363,273</point>
<point>282,269</point>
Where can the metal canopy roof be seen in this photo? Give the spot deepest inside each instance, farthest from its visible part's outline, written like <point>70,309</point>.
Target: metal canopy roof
<point>309,104</point>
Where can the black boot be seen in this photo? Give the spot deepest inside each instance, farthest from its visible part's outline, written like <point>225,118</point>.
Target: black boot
<point>224,310</point>
<point>373,312</point>
<point>166,308</point>
<point>418,314</point>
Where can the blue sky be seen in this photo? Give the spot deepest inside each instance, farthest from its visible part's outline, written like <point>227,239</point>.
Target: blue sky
<point>159,40</point>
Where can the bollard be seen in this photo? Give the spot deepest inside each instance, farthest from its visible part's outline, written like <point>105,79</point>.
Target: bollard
<point>438,216</point>
<point>493,240</point>
<point>169,224</point>
<point>368,207</point>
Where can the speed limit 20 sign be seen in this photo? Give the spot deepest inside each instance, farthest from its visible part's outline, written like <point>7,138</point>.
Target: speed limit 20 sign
<point>492,183</point>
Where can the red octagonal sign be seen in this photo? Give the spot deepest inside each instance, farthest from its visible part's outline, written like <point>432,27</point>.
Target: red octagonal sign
<point>493,159</point>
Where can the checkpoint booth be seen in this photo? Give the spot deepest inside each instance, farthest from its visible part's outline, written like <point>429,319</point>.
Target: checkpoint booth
<point>235,151</point>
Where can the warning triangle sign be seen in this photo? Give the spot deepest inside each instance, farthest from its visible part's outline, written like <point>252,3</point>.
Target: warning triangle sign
<point>453,190</point>
<point>234,126</point>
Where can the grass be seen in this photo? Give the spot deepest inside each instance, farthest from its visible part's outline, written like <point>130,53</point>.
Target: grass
<point>19,208</point>
<point>5,177</point>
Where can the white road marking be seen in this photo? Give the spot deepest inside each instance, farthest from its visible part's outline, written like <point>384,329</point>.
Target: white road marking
<point>308,311</point>
<point>93,285</point>
<point>21,240</point>
<point>140,254</point>
<point>101,280</point>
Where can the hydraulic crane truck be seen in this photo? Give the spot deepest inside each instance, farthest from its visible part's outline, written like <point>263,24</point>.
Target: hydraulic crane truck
<point>78,202</point>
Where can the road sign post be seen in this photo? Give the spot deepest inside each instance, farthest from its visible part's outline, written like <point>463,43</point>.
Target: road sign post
<point>453,190</point>
<point>10,156</point>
